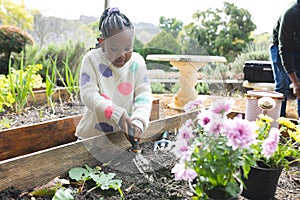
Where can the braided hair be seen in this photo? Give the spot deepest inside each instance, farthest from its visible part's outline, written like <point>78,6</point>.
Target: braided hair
<point>113,19</point>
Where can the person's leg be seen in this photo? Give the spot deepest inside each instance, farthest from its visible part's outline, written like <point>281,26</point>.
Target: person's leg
<point>281,78</point>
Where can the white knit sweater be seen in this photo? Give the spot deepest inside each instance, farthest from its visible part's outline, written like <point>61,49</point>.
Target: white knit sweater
<point>108,92</point>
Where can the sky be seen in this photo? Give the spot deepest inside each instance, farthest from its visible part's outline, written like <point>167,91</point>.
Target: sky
<point>264,12</point>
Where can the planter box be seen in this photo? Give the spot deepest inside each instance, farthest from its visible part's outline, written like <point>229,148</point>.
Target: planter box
<point>28,139</point>
<point>40,96</point>
<point>33,169</point>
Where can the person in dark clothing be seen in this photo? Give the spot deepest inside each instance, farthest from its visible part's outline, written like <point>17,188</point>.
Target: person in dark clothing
<point>289,45</point>
<point>281,78</point>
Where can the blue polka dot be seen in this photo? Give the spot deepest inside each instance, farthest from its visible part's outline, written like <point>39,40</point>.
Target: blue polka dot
<point>85,78</point>
<point>134,67</point>
<point>104,127</point>
<point>105,70</point>
<point>146,79</point>
<point>141,100</point>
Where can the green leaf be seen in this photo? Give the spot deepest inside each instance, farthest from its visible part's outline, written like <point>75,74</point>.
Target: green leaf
<point>63,194</point>
<point>50,188</point>
<point>106,181</point>
<point>79,174</point>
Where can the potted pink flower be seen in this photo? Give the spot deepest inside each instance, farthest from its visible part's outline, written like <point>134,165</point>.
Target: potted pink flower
<point>215,153</point>
<point>273,151</point>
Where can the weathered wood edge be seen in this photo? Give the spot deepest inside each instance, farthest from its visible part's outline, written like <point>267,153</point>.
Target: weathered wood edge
<point>40,97</point>
<point>37,168</point>
<point>27,139</point>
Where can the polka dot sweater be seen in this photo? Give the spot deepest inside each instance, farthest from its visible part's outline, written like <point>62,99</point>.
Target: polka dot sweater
<point>108,92</point>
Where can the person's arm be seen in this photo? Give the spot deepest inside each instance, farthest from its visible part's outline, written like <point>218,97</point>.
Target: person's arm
<point>286,40</point>
<point>142,96</point>
<point>296,84</point>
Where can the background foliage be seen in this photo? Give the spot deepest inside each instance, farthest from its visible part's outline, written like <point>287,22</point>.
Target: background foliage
<point>226,32</point>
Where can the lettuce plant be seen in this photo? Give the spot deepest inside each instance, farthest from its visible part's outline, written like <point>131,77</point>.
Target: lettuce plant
<point>101,180</point>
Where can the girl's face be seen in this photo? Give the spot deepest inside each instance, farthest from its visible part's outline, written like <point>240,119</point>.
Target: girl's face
<point>118,47</point>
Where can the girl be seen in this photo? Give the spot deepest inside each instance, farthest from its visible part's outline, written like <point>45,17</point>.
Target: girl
<point>114,85</point>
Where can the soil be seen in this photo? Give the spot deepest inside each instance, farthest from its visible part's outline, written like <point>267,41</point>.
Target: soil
<point>155,182</point>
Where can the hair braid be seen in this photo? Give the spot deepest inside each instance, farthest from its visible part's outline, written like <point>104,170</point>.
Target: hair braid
<point>113,19</point>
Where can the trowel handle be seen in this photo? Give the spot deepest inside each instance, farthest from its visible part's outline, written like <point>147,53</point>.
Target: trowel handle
<point>165,135</point>
<point>135,144</point>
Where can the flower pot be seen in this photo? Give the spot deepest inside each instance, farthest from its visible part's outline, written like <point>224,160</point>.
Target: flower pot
<point>253,110</point>
<point>218,193</point>
<point>261,183</point>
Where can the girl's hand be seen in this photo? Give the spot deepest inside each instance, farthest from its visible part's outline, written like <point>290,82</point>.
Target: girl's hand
<point>124,122</point>
<point>137,133</point>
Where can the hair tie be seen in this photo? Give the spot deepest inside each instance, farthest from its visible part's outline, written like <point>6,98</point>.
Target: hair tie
<point>113,10</point>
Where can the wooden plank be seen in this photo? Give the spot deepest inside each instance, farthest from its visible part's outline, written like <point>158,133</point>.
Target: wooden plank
<point>155,109</point>
<point>34,169</point>
<point>40,96</point>
<point>23,140</point>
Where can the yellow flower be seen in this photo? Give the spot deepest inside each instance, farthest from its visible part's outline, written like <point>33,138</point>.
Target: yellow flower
<point>286,122</point>
<point>265,118</point>
<point>259,123</point>
<point>294,135</point>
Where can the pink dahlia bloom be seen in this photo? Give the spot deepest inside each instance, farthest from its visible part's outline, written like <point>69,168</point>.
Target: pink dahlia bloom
<point>241,133</point>
<point>270,144</point>
<point>216,125</point>
<point>183,173</point>
<point>185,133</point>
<point>192,105</point>
<point>222,106</point>
<point>181,149</point>
<point>203,118</point>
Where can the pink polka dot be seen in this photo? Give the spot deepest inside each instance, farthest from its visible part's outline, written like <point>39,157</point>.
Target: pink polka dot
<point>108,112</point>
<point>105,96</point>
<point>125,88</point>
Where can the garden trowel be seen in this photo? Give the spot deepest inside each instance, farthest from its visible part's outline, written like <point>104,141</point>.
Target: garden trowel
<point>163,142</point>
<point>140,162</point>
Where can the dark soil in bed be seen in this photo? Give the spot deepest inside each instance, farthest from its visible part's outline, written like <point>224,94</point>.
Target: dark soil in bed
<point>155,181</point>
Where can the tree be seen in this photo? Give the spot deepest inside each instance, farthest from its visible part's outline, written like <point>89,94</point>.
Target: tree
<point>223,32</point>
<point>12,39</point>
<point>170,25</point>
<point>189,46</point>
<point>56,30</point>
<point>15,14</point>
<point>137,44</point>
<point>42,28</point>
<point>163,43</point>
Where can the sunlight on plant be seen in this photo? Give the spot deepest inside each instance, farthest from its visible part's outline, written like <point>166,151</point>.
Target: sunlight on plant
<point>5,123</point>
<point>202,88</point>
<point>22,82</point>
<point>51,83</point>
<point>70,81</point>
<point>6,97</point>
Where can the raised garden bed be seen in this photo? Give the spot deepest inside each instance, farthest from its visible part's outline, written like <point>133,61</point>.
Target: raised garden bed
<point>33,169</point>
<point>31,138</point>
<point>37,168</point>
